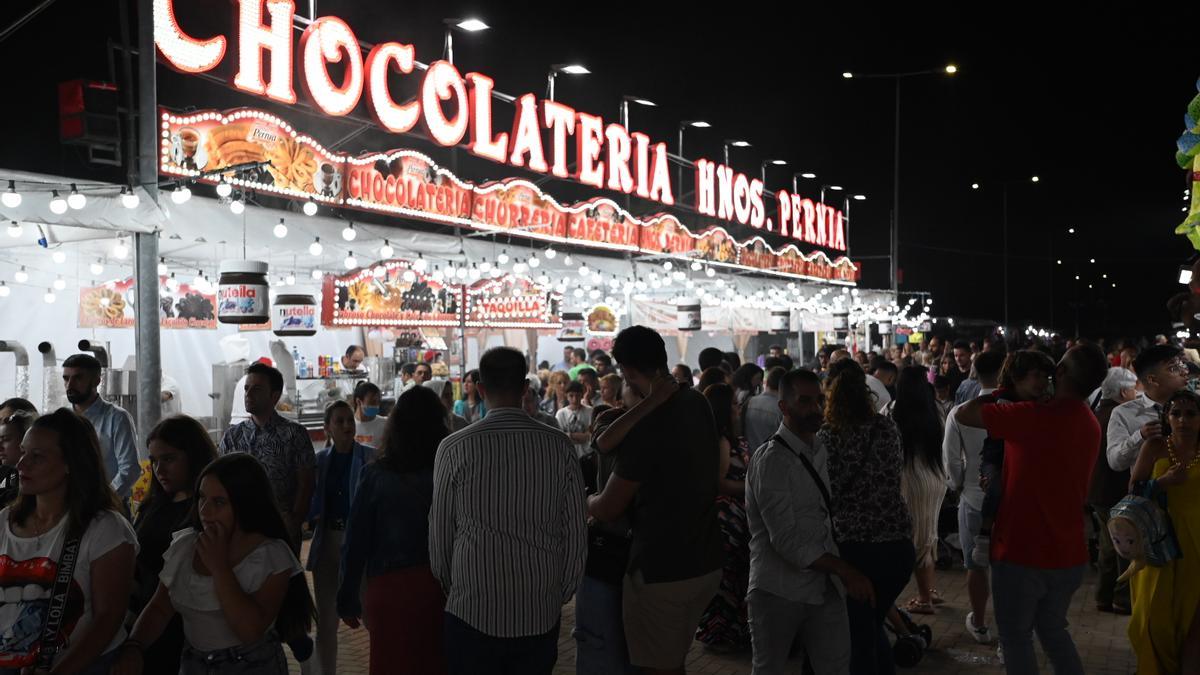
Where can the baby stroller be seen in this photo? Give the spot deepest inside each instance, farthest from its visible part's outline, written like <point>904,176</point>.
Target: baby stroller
<point>912,639</point>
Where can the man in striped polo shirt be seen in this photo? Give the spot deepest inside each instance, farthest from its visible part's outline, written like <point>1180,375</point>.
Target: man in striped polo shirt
<point>507,533</point>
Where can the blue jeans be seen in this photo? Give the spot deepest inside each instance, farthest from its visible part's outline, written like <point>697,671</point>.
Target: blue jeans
<point>599,631</point>
<point>1028,599</point>
<point>472,652</point>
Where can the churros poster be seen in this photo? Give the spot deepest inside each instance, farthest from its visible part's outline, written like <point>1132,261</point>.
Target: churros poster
<point>114,305</point>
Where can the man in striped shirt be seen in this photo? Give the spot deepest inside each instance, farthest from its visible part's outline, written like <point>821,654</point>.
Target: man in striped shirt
<point>507,534</point>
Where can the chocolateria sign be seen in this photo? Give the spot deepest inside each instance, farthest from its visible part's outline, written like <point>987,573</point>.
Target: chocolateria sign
<point>452,109</point>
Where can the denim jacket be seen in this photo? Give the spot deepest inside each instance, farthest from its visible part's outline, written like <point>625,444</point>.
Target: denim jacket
<point>388,529</point>
<point>361,455</point>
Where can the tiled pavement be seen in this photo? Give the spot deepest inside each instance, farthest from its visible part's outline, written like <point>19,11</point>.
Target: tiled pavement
<point>1100,638</point>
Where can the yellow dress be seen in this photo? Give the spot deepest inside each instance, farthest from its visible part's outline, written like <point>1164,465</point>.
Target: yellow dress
<point>1165,598</point>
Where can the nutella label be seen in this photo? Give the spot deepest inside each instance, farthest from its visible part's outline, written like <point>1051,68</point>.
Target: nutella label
<point>291,319</point>
<point>242,301</point>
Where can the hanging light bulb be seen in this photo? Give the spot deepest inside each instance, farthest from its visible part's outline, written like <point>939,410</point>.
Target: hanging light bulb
<point>281,229</point>
<point>534,261</point>
<point>485,266</point>
<point>97,268</point>
<point>583,270</point>
<point>4,290</point>
<point>419,264</point>
<point>58,205</point>
<point>120,250</point>
<point>129,198</point>
<point>710,272</point>
<point>315,248</point>
<point>60,283</point>
<point>11,198</point>
<point>316,275</point>
<point>58,257</point>
<point>172,283</point>
<point>237,206</point>
<point>49,297</point>
<point>436,273</point>
<point>474,272</point>
<point>181,194</point>
<point>520,267</point>
<point>497,273</point>
<point>567,260</point>
<point>76,200</point>
<point>543,279</point>
<point>696,266</point>
<point>290,279</point>
<point>15,230</point>
<point>409,276</point>
<point>461,272</point>
<point>668,265</point>
<point>350,262</point>
<point>550,253</point>
<point>502,259</point>
<point>224,189</point>
<point>310,207</point>
<point>348,233</point>
<point>386,250</point>
<point>449,271</point>
<point>21,276</point>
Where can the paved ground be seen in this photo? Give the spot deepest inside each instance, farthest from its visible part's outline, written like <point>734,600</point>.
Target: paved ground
<point>1100,638</point>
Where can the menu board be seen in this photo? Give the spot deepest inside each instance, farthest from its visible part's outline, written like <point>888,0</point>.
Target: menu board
<point>114,304</point>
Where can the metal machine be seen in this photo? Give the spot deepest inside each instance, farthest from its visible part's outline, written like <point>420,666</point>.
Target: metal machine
<point>21,379</point>
<point>54,395</point>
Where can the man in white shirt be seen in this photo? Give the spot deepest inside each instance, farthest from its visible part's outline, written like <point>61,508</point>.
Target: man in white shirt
<point>961,453</point>
<point>762,416</point>
<point>797,581</point>
<point>368,423</point>
<point>1162,371</point>
<point>882,375</point>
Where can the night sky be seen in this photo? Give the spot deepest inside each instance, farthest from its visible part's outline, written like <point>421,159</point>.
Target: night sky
<point>1090,102</point>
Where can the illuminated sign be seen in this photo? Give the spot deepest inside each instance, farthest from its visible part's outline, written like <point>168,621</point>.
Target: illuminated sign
<point>409,184</point>
<point>389,293</point>
<point>512,301</point>
<point>453,109</point>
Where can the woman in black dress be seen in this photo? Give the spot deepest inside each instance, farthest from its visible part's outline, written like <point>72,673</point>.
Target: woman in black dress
<point>180,448</point>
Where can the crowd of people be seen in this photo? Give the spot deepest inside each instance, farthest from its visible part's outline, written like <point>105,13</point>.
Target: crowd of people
<point>753,507</point>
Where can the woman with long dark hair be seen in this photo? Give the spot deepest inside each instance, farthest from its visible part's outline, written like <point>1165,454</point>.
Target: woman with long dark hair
<point>64,504</point>
<point>387,539</point>
<point>871,522</point>
<point>233,578</point>
<point>723,625</point>
<point>471,407</point>
<point>747,382</point>
<point>179,448</point>
<point>923,482</point>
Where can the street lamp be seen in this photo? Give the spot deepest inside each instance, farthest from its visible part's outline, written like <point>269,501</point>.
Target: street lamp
<point>835,188</point>
<point>466,25</point>
<point>776,162</point>
<point>1004,234</point>
<point>807,175</point>
<point>626,100</point>
<point>846,218</point>
<point>736,144</point>
<point>950,69</point>
<point>698,124</point>
<point>569,69</point>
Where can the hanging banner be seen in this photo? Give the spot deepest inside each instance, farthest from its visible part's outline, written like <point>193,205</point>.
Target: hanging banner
<point>663,317</point>
<point>389,293</point>
<point>112,305</point>
<point>512,301</point>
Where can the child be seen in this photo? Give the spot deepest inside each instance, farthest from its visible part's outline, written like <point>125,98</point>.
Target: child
<point>576,419</point>
<point>1025,377</point>
<point>233,578</point>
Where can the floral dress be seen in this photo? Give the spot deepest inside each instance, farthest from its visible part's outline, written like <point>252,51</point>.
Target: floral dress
<point>723,623</point>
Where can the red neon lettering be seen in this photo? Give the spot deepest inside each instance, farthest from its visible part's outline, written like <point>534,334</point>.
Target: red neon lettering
<point>183,52</point>
<point>527,136</point>
<point>741,198</point>
<point>324,42</point>
<point>482,142</point>
<point>725,192</point>
<point>810,234</point>
<point>442,83</point>
<point>560,119</point>
<point>383,59</point>
<point>660,185</point>
<point>589,169</point>
<point>619,176</point>
<point>254,38</point>
<point>705,190</point>
<point>641,164</point>
<point>758,213</point>
<point>785,212</point>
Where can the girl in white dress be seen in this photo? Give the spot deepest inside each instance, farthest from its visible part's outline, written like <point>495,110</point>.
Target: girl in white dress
<point>232,577</point>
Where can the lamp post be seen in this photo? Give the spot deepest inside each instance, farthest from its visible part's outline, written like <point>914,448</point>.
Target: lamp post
<point>895,230</point>
<point>569,69</point>
<point>1004,185</point>
<point>698,124</point>
<point>775,162</point>
<point>466,25</point>
<point>736,144</point>
<point>835,188</point>
<point>846,208</point>
<point>626,100</point>
<point>807,175</point>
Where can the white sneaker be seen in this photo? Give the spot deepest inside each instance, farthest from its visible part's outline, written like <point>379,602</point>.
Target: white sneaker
<point>982,634</point>
<point>982,555</point>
